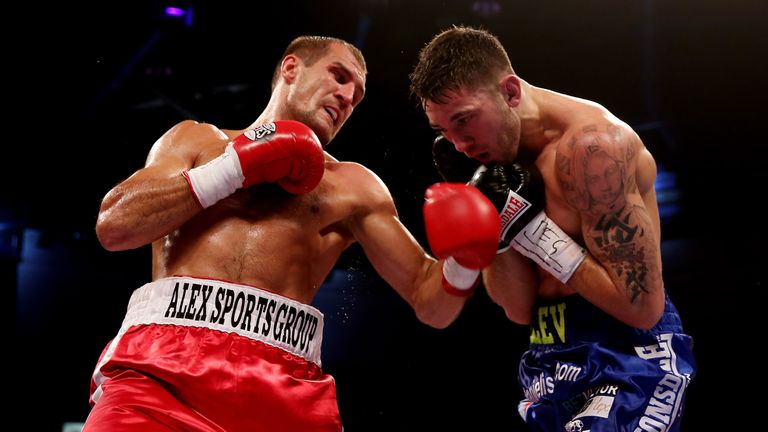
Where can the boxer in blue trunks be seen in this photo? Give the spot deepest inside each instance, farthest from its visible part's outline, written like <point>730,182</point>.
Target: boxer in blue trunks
<point>579,257</point>
<point>597,374</point>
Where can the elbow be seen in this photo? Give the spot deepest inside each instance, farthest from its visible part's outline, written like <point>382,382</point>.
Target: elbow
<point>111,236</point>
<point>436,324</point>
<point>516,309</point>
<point>645,323</point>
<point>432,320</point>
<point>649,320</point>
<point>519,317</point>
<point>435,318</point>
<point>110,232</point>
<point>648,316</point>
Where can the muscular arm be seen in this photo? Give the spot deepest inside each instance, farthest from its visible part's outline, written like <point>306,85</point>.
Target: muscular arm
<point>597,171</point>
<point>512,283</point>
<point>400,260</point>
<point>156,199</point>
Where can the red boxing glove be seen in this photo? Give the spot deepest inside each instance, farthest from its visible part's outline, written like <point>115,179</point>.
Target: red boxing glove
<point>285,152</point>
<point>462,226</point>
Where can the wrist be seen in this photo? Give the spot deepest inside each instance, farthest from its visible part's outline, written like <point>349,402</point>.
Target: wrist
<point>216,179</point>
<point>457,279</point>
<point>503,247</point>
<point>550,247</point>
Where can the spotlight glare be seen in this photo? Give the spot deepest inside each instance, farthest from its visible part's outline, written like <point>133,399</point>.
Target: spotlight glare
<point>174,11</point>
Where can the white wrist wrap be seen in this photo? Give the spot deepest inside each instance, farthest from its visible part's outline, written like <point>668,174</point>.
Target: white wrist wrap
<point>216,179</point>
<point>458,276</point>
<point>546,243</point>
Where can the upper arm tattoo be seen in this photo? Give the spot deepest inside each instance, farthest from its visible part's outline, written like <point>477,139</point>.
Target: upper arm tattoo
<point>621,242</point>
<point>595,171</point>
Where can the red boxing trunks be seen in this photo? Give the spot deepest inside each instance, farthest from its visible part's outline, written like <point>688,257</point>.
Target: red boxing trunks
<point>207,355</point>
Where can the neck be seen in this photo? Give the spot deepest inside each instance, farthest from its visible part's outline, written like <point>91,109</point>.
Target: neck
<point>273,111</point>
<point>538,127</point>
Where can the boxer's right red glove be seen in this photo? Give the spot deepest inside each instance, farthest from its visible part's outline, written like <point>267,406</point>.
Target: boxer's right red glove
<point>286,152</point>
<point>463,227</point>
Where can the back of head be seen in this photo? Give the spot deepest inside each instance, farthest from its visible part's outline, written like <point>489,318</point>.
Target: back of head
<point>458,57</point>
<point>312,48</point>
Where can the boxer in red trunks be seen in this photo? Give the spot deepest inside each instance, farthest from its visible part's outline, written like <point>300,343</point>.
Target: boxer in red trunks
<point>245,225</point>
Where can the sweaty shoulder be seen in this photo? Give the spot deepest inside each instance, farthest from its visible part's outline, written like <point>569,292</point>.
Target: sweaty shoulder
<point>362,185</point>
<point>597,160</point>
<point>187,139</point>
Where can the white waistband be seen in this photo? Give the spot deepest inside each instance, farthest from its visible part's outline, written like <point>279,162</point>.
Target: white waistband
<point>250,312</point>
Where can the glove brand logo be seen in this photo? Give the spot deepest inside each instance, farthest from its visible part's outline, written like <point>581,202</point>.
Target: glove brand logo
<point>260,132</point>
<point>574,426</point>
<point>515,207</point>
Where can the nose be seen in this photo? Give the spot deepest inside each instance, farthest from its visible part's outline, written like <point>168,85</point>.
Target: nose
<point>346,93</point>
<point>462,143</point>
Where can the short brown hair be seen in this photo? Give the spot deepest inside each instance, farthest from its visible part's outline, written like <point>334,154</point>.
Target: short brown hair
<point>312,48</point>
<point>459,56</point>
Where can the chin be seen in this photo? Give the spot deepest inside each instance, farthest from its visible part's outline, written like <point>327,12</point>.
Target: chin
<point>320,128</point>
<point>323,134</point>
<point>324,140</point>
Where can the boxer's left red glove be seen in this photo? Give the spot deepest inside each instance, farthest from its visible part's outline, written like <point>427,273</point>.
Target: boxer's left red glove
<point>463,227</point>
<point>286,152</point>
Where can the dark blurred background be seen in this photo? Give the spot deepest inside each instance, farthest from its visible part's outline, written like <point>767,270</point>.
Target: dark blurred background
<point>99,84</point>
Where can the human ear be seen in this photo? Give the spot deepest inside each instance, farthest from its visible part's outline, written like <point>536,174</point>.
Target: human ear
<point>510,88</point>
<point>289,68</point>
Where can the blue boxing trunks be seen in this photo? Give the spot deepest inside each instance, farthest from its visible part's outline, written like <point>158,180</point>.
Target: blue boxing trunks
<point>586,371</point>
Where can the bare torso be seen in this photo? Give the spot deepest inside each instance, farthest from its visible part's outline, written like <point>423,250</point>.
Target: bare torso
<point>265,237</point>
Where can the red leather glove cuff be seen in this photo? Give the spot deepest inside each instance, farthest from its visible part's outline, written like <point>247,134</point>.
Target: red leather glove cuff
<point>452,290</point>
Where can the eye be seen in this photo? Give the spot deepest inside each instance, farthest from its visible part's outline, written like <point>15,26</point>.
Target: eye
<point>461,121</point>
<point>339,76</point>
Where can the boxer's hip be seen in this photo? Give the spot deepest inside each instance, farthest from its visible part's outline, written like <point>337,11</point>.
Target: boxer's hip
<point>221,347</point>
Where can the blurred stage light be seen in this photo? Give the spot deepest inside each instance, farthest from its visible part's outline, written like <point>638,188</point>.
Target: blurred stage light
<point>667,194</point>
<point>182,12</point>
<point>486,8</point>
<point>172,11</point>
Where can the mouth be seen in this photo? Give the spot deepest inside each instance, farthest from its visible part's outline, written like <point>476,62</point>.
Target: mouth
<point>483,157</point>
<point>332,113</point>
